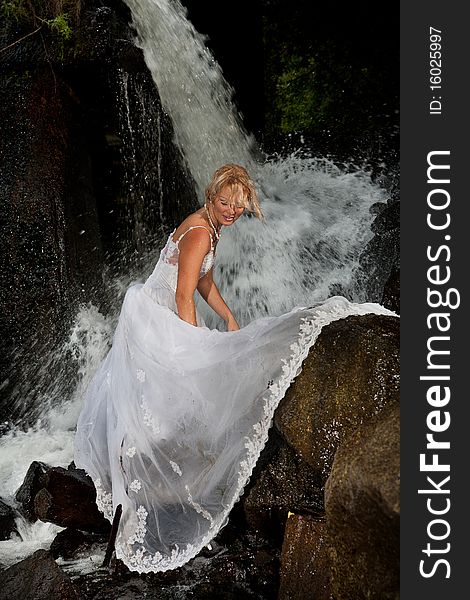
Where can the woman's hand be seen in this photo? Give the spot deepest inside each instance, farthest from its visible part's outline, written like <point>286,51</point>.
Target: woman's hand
<point>210,292</point>
<point>232,324</point>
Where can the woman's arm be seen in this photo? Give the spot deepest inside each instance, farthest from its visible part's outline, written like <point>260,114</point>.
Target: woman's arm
<point>192,249</point>
<point>210,292</point>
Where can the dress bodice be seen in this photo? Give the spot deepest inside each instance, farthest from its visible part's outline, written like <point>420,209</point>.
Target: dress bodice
<point>165,274</point>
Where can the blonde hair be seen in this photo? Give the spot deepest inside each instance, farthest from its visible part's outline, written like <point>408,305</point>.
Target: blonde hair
<point>237,179</point>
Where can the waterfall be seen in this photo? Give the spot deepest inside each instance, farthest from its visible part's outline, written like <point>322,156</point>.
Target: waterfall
<point>317,214</point>
<point>208,129</point>
<point>141,154</point>
<point>317,222</point>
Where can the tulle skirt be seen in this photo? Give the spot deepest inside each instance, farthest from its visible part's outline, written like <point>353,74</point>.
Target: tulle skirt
<point>176,416</point>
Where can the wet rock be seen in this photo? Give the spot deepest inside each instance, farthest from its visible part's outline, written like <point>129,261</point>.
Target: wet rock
<point>247,568</point>
<point>77,160</point>
<point>388,219</point>
<point>286,483</point>
<point>391,294</point>
<point>351,373</point>
<point>382,253</point>
<point>362,501</point>
<point>66,542</point>
<point>71,543</point>
<point>67,498</point>
<point>32,483</point>
<point>38,577</point>
<point>7,521</point>
<point>46,204</point>
<point>305,566</point>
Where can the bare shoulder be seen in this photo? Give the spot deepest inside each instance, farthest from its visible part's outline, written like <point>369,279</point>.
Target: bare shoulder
<point>193,232</point>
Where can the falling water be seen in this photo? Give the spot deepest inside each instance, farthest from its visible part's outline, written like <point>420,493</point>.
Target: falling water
<point>317,222</point>
<point>317,218</point>
<point>208,129</point>
<point>141,155</point>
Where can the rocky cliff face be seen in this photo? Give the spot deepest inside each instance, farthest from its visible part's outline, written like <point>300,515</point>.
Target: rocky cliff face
<point>71,195</point>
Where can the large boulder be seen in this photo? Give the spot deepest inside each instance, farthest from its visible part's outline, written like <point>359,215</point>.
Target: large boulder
<point>284,483</point>
<point>381,255</point>
<point>74,544</point>
<point>350,375</point>
<point>66,497</point>
<point>32,483</point>
<point>7,520</point>
<point>362,502</point>
<point>305,568</point>
<point>37,577</point>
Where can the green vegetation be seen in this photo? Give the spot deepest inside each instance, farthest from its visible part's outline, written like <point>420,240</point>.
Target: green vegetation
<point>318,89</point>
<point>61,25</point>
<point>15,9</point>
<point>331,72</point>
<point>56,17</point>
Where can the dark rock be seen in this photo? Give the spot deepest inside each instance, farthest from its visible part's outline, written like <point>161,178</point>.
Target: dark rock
<point>286,483</point>
<point>66,542</point>
<point>305,565</point>
<point>7,521</point>
<point>362,500</point>
<point>38,577</point>
<point>232,591</point>
<point>67,498</point>
<point>391,295</point>
<point>236,526</point>
<point>351,373</point>
<point>32,483</point>
<point>46,206</point>
<point>70,543</point>
<point>382,252</point>
<point>377,208</point>
<point>81,119</point>
<point>388,219</point>
<point>264,572</point>
<point>248,568</point>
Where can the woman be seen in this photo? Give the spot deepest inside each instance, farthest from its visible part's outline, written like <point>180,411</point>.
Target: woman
<point>177,414</point>
<point>230,192</point>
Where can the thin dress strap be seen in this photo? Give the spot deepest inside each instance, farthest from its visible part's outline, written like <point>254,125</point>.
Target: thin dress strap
<point>195,227</point>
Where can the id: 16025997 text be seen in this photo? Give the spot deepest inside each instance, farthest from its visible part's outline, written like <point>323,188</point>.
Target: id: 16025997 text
<point>435,70</point>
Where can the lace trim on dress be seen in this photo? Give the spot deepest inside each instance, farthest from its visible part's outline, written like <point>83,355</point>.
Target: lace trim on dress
<point>104,500</point>
<point>148,418</point>
<point>143,562</point>
<point>135,486</point>
<point>140,559</point>
<point>169,254</point>
<point>198,508</point>
<point>176,468</point>
<point>141,528</point>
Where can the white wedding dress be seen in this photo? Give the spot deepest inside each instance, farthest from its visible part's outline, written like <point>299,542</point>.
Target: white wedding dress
<point>176,416</point>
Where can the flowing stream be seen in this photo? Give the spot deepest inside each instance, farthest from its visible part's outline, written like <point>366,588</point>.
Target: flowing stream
<point>317,222</point>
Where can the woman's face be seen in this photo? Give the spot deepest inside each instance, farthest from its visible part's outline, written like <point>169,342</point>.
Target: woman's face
<point>228,206</point>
